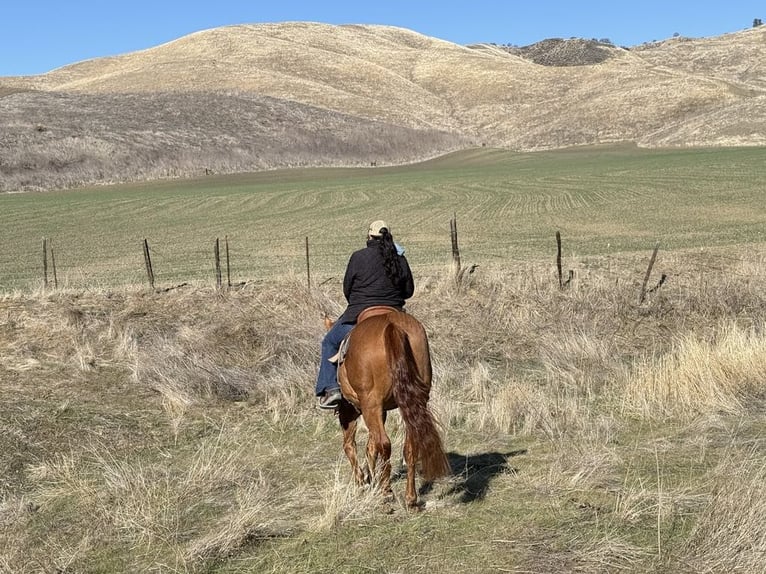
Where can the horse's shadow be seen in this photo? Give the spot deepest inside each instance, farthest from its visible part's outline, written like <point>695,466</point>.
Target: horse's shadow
<point>472,474</point>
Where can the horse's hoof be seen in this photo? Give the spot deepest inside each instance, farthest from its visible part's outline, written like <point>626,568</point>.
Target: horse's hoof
<point>416,506</point>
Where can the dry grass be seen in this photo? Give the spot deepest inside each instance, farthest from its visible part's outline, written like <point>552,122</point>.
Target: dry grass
<point>730,534</point>
<point>720,371</point>
<point>176,431</point>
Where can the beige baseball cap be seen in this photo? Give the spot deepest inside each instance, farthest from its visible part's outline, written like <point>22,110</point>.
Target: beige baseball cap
<point>376,227</point>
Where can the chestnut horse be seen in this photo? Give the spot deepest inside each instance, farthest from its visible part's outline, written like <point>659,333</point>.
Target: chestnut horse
<point>388,366</point>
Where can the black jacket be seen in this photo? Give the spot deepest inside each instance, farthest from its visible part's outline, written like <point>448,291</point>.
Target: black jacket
<point>366,284</point>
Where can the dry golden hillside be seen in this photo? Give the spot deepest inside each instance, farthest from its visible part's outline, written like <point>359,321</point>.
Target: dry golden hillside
<point>735,58</point>
<point>681,92</point>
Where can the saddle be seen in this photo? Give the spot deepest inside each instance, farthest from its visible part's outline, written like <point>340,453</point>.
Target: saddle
<point>366,314</point>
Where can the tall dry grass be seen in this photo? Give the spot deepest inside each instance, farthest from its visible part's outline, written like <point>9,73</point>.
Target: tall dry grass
<point>722,370</point>
<point>730,535</point>
<point>213,503</point>
<point>179,428</point>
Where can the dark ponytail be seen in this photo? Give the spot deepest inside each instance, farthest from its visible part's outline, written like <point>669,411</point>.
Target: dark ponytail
<point>391,262</point>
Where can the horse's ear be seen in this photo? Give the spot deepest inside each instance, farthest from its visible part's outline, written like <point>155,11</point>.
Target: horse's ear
<point>328,323</point>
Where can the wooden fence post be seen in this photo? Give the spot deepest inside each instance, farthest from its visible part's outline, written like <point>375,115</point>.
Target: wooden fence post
<point>45,262</point>
<point>642,296</point>
<point>308,264</point>
<point>148,262</point>
<point>217,254</point>
<point>559,267</point>
<point>558,259</point>
<point>455,248</point>
<point>53,264</point>
<point>228,265</point>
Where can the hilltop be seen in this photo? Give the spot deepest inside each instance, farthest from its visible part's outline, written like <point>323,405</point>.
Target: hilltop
<point>251,97</point>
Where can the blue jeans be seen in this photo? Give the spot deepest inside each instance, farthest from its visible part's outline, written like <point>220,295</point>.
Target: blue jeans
<point>328,372</point>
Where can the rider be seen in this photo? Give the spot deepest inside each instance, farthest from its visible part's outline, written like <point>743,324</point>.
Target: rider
<point>376,275</point>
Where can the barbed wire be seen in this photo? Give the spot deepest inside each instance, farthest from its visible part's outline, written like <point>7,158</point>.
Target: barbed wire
<point>184,262</point>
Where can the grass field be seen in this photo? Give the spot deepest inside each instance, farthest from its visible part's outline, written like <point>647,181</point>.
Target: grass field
<point>508,206</point>
<point>175,431</point>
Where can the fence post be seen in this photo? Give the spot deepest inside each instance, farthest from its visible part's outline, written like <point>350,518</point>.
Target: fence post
<point>308,264</point>
<point>558,259</point>
<point>45,262</point>
<point>217,253</point>
<point>228,266</point>
<point>455,248</point>
<point>53,264</point>
<point>642,296</point>
<point>148,262</point>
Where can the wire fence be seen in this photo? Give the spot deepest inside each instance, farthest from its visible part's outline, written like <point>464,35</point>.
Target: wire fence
<point>161,263</point>
<point>223,262</point>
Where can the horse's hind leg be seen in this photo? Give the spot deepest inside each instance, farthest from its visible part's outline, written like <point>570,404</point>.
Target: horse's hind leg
<point>348,417</point>
<point>378,448</point>
<point>411,458</point>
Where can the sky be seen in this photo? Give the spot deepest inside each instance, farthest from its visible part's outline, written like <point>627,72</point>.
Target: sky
<point>39,36</point>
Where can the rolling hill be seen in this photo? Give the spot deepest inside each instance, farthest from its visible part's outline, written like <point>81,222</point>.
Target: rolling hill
<point>250,97</point>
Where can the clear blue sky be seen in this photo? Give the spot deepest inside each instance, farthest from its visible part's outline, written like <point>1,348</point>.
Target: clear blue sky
<point>38,36</point>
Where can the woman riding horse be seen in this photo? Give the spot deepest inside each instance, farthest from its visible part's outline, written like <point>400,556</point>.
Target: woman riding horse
<point>387,366</point>
<point>376,275</point>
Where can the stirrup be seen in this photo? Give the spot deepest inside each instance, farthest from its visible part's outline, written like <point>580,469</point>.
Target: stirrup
<point>330,399</point>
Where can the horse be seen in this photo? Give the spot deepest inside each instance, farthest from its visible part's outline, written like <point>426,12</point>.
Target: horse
<point>387,366</point>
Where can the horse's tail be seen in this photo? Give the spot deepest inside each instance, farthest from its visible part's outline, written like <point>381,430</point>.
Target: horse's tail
<point>411,393</point>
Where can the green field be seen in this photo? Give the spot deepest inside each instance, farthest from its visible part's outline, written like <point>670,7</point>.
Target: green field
<point>508,207</point>
<point>587,431</point>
